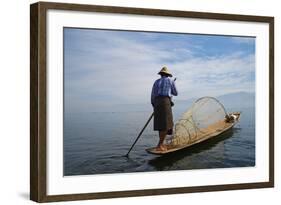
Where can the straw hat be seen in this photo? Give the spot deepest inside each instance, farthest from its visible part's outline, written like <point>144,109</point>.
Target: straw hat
<point>165,71</point>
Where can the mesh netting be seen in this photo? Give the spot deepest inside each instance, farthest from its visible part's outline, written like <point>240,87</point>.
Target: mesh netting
<point>206,116</point>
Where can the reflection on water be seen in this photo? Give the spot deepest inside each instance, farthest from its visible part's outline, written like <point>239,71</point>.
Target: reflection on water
<point>95,143</point>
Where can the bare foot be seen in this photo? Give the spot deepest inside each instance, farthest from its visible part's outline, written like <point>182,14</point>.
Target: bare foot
<point>161,148</point>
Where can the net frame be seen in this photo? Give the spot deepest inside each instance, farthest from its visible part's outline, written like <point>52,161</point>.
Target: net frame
<point>187,130</point>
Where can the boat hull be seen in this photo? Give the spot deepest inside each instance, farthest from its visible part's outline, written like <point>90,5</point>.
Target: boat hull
<point>170,149</point>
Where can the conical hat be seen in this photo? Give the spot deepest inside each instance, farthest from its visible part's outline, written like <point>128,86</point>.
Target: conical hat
<point>166,71</point>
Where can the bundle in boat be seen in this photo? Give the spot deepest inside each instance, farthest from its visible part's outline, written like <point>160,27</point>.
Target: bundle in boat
<point>206,118</point>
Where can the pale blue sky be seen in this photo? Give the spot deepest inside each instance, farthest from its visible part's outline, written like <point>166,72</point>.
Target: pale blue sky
<point>105,68</point>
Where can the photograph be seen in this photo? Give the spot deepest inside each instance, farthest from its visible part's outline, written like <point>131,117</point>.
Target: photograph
<point>129,101</point>
<point>147,101</point>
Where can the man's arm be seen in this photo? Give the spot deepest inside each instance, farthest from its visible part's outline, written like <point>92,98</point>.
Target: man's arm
<point>174,90</point>
<point>153,93</point>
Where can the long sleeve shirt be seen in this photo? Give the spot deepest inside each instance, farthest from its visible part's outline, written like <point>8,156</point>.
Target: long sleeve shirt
<point>164,86</point>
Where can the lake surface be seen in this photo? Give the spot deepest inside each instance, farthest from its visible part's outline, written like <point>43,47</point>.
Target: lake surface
<point>96,142</point>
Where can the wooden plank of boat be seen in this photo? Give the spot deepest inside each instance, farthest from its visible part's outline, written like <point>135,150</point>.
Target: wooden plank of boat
<point>170,148</point>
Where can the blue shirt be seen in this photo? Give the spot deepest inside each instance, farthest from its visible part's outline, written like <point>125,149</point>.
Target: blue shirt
<point>164,86</point>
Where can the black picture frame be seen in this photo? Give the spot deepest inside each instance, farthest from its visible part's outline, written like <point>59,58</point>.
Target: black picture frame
<point>38,100</point>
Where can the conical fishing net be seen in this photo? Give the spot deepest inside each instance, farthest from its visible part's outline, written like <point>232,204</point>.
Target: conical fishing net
<point>205,117</point>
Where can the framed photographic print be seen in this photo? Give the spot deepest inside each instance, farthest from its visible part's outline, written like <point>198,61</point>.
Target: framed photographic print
<point>135,102</point>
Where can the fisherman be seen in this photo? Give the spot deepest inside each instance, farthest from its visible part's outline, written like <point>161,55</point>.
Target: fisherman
<point>162,91</point>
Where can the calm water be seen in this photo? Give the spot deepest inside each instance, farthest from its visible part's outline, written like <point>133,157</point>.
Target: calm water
<point>94,143</point>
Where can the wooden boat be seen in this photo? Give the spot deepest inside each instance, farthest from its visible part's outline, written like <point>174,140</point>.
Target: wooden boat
<point>209,132</point>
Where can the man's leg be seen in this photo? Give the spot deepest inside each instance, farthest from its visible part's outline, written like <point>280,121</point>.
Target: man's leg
<point>162,135</point>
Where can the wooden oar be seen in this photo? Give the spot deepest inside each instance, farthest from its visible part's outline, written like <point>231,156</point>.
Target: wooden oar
<point>140,134</point>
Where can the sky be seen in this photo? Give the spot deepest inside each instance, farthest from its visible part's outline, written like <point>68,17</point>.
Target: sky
<point>105,68</point>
